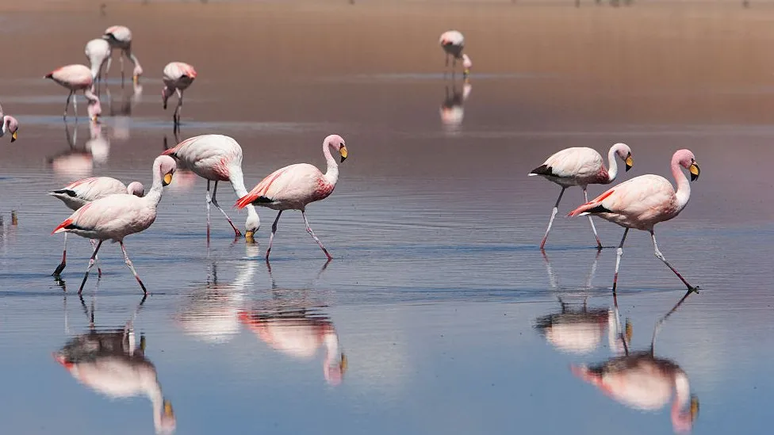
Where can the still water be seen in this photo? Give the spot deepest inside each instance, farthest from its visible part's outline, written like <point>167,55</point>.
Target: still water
<point>438,313</point>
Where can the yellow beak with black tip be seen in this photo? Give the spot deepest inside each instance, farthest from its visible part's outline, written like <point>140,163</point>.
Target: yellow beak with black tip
<point>695,171</point>
<point>343,152</point>
<point>167,179</point>
<point>629,162</point>
<point>14,136</point>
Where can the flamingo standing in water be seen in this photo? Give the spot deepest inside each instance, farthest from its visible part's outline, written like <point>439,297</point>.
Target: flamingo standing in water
<point>215,157</point>
<point>644,201</point>
<point>177,77</point>
<point>121,37</point>
<point>116,216</point>
<point>98,52</point>
<point>77,78</point>
<point>581,166</point>
<point>79,193</point>
<point>452,43</point>
<point>10,125</point>
<point>294,187</point>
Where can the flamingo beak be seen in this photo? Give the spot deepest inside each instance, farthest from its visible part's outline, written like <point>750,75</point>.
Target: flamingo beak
<point>167,179</point>
<point>135,79</point>
<point>343,152</point>
<point>694,407</point>
<point>14,136</point>
<point>343,363</point>
<point>629,331</point>
<point>168,409</point>
<point>249,236</point>
<point>629,162</point>
<point>695,171</point>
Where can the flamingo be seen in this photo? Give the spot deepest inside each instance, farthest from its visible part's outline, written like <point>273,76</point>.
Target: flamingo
<point>116,216</point>
<point>452,43</point>
<point>98,52</point>
<point>79,193</point>
<point>10,125</point>
<point>294,187</point>
<point>644,201</point>
<point>581,166</point>
<point>77,78</point>
<point>467,64</point>
<point>452,109</point>
<point>121,37</point>
<point>640,380</point>
<point>215,157</point>
<point>178,76</point>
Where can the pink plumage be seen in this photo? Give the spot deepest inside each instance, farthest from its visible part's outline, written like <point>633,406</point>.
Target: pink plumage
<point>177,77</point>
<point>77,78</point>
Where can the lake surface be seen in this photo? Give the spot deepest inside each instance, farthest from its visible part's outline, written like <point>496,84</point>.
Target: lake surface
<point>438,313</point>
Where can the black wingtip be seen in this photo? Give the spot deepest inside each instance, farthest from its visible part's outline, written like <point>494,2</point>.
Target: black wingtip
<point>263,200</point>
<point>598,209</point>
<point>542,170</point>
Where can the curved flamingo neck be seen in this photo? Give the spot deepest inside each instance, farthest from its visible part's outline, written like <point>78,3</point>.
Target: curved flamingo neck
<point>236,178</point>
<point>332,174</point>
<point>153,391</point>
<point>4,129</point>
<point>683,192</point>
<point>154,195</point>
<point>682,395</point>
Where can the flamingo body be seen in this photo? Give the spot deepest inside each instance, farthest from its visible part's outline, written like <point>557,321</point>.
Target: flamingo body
<point>77,78</point>
<point>98,52</point>
<point>452,42</point>
<point>79,193</point>
<point>121,37</point>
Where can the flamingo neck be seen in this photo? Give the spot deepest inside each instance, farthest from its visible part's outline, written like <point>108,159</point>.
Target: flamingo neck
<point>236,178</point>
<point>4,129</point>
<point>153,391</point>
<point>683,192</point>
<point>682,394</point>
<point>332,174</point>
<point>154,196</point>
<point>612,164</point>
<point>331,342</point>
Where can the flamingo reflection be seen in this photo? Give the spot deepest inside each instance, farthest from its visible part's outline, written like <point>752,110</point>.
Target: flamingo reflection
<point>110,362</point>
<point>121,109</point>
<point>298,328</point>
<point>452,109</point>
<point>79,161</point>
<point>643,381</point>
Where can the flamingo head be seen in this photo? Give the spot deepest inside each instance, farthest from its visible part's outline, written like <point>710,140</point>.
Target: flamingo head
<point>334,373</point>
<point>11,125</point>
<point>336,142</point>
<point>165,94</point>
<point>467,64</point>
<point>252,224</point>
<point>135,188</point>
<point>165,167</point>
<point>624,153</point>
<point>166,422</point>
<point>136,74</point>
<point>682,422</point>
<point>687,160</point>
<point>94,109</point>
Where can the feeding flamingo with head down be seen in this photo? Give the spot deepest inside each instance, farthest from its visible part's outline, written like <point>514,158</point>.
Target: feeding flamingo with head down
<point>177,77</point>
<point>10,125</point>
<point>79,193</point>
<point>581,166</point>
<point>116,216</point>
<point>77,78</point>
<point>215,157</point>
<point>294,187</point>
<point>644,201</point>
<point>453,43</point>
<point>121,37</point>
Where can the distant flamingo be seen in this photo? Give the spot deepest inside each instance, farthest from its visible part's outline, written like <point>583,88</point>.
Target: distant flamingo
<point>467,64</point>
<point>215,157</point>
<point>644,201</point>
<point>294,187</point>
<point>177,77</point>
<point>79,193</point>
<point>98,52</point>
<point>581,166</point>
<point>121,37</point>
<point>117,216</point>
<point>10,124</point>
<point>452,43</point>
<point>77,78</point>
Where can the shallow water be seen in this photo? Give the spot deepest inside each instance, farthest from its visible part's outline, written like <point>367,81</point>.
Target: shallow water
<point>448,315</point>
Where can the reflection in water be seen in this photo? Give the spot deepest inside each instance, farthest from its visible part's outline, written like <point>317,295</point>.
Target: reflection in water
<point>293,325</point>
<point>640,380</point>
<point>109,362</point>
<point>184,178</point>
<point>121,110</point>
<point>452,109</point>
<point>79,161</point>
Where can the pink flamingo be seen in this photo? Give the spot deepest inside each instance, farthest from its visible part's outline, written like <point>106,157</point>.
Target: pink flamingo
<point>294,187</point>
<point>77,78</point>
<point>644,201</point>
<point>98,52</point>
<point>116,216</point>
<point>178,76</point>
<point>467,64</point>
<point>10,124</point>
<point>121,37</point>
<point>452,43</point>
<point>581,166</point>
<point>215,157</point>
<point>79,193</point>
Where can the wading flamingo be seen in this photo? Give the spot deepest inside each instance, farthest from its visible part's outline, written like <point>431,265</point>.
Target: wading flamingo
<point>215,157</point>
<point>644,201</point>
<point>98,52</point>
<point>581,166</point>
<point>77,78</point>
<point>117,216</point>
<point>79,193</point>
<point>452,43</point>
<point>177,77</point>
<point>121,37</point>
<point>294,187</point>
<point>10,125</point>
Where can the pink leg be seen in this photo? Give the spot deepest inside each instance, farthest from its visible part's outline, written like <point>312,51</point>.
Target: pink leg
<point>551,221</point>
<point>63,264</point>
<point>311,233</point>
<point>237,233</point>
<point>591,221</point>
<point>131,266</point>
<point>619,254</point>
<point>661,257</point>
<point>96,259</point>
<point>209,200</point>
<point>271,238</point>
<point>91,264</point>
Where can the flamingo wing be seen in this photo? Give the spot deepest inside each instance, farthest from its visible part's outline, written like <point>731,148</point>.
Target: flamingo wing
<point>576,162</point>
<point>643,197</point>
<point>113,215</point>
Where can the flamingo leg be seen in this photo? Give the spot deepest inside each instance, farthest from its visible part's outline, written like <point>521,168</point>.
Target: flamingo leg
<point>67,105</point>
<point>131,266</point>
<point>591,221</point>
<point>96,259</point>
<point>63,264</point>
<point>179,107</point>
<point>109,61</point>
<point>553,215</point>
<point>121,60</point>
<point>75,106</point>
<point>273,231</point>
<point>661,257</point>
<point>91,264</point>
<point>209,200</point>
<point>619,254</point>
<point>311,233</point>
<point>237,233</point>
